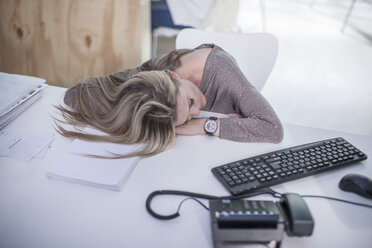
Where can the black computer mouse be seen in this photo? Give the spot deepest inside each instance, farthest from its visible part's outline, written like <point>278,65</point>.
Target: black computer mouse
<point>357,184</point>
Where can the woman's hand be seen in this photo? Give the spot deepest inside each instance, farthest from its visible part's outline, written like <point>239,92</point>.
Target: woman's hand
<point>195,127</point>
<point>192,127</point>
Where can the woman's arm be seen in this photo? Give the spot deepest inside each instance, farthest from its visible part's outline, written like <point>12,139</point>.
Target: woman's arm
<point>195,127</point>
<point>259,122</point>
<point>254,121</point>
<point>227,91</point>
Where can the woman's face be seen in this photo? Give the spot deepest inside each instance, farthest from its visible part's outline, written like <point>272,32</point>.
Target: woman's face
<point>189,101</point>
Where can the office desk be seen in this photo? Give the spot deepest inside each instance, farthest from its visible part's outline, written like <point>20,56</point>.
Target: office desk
<point>37,212</point>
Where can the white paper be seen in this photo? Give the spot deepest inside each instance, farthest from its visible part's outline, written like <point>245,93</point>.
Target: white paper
<point>8,138</point>
<point>110,174</point>
<point>22,145</point>
<point>206,114</point>
<point>42,153</point>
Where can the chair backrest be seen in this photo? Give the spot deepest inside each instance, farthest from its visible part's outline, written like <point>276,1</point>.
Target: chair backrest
<point>255,53</point>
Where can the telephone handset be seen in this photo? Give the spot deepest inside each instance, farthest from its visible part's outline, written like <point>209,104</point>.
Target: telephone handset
<point>254,221</point>
<point>300,221</point>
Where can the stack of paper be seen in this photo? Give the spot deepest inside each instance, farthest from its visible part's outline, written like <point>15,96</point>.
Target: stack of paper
<point>74,166</point>
<point>17,92</point>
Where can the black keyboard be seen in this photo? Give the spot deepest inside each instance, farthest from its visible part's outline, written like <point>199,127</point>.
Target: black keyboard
<point>285,165</point>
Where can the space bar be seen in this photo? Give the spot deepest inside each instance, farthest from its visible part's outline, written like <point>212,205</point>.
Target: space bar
<point>303,147</point>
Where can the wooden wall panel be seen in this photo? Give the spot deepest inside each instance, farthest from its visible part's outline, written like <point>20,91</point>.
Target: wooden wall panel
<point>64,41</point>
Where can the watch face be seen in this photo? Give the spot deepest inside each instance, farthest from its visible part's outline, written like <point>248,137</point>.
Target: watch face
<point>211,126</point>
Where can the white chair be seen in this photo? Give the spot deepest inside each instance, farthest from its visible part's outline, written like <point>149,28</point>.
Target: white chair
<point>255,53</point>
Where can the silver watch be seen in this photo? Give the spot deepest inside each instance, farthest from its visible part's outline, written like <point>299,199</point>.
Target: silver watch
<point>210,126</point>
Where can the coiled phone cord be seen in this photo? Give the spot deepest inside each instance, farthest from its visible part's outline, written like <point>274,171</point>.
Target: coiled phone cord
<point>194,196</point>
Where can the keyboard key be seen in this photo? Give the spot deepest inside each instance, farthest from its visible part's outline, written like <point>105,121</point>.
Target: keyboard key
<point>275,165</point>
<point>221,171</point>
<point>227,178</point>
<point>251,178</point>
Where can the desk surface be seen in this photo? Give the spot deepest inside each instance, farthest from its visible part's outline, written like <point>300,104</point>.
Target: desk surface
<point>40,212</point>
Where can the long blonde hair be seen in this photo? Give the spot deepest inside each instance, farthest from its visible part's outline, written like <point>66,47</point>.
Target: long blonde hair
<point>131,107</point>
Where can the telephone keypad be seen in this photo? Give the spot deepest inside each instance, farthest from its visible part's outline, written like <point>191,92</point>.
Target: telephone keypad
<point>246,207</point>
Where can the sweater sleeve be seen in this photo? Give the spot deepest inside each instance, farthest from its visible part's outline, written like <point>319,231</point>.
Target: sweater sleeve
<point>259,122</point>
<point>227,91</point>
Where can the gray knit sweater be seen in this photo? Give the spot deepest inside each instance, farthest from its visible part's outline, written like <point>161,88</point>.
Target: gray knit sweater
<point>228,91</point>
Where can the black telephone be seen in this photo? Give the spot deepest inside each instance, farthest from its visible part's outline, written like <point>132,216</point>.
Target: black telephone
<point>237,222</point>
<point>251,221</point>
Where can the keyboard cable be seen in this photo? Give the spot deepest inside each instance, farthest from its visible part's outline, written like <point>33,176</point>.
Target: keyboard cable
<point>278,195</point>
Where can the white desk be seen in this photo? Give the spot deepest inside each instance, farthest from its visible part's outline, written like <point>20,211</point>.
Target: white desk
<point>39,212</point>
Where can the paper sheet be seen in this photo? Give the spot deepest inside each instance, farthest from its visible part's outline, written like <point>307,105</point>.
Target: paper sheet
<point>22,145</point>
<point>207,114</point>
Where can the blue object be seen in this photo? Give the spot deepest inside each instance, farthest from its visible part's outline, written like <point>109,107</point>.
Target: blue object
<point>161,17</point>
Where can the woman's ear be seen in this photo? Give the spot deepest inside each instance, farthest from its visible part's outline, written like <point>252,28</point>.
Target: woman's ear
<point>175,75</point>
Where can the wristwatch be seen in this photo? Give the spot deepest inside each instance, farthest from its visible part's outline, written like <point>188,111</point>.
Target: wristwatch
<point>210,126</point>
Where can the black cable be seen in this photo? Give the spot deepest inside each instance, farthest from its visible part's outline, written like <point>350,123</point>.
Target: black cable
<point>196,195</point>
<point>328,198</point>
<point>238,197</point>
<point>172,192</point>
<point>274,193</point>
<point>340,200</point>
<point>191,198</point>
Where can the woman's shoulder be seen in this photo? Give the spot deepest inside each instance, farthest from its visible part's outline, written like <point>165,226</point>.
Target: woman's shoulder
<point>220,55</point>
<point>171,59</point>
<point>205,45</point>
<point>222,71</point>
<point>221,62</point>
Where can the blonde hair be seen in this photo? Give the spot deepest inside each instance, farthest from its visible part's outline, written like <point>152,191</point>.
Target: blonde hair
<point>131,107</point>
